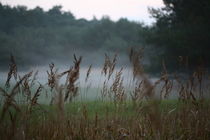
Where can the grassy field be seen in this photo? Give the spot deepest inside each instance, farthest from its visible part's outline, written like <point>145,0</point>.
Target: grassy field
<point>66,111</point>
<point>105,120</point>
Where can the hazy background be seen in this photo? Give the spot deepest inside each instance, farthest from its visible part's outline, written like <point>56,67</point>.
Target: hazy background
<point>38,32</point>
<point>41,32</point>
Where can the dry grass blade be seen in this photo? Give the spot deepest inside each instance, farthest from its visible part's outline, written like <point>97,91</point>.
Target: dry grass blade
<point>168,84</point>
<point>51,76</point>
<point>106,64</point>
<point>88,73</point>
<point>112,65</point>
<point>153,110</point>
<point>9,98</point>
<point>26,88</point>
<point>117,87</point>
<point>137,94</point>
<point>12,71</point>
<point>136,60</point>
<point>104,91</point>
<point>17,85</point>
<point>109,65</point>
<point>36,95</point>
<point>73,76</point>
<point>63,73</point>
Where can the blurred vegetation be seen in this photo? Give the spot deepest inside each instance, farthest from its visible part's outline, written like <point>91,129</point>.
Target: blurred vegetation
<point>32,35</point>
<point>180,35</point>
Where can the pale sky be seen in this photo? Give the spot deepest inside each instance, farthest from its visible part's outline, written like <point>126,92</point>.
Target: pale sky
<point>132,9</point>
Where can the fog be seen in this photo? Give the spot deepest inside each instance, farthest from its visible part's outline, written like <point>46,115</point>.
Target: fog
<point>88,90</point>
<point>37,37</point>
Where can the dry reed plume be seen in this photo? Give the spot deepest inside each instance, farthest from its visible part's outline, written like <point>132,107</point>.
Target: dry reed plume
<point>145,110</point>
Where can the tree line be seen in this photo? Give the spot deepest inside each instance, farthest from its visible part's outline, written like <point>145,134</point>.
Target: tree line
<point>34,34</point>
<point>180,34</point>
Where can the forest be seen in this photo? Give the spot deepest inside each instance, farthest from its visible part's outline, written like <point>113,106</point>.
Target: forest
<point>37,37</point>
<point>34,35</point>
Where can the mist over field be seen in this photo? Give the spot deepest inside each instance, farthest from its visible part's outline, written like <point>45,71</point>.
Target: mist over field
<point>38,37</point>
<point>66,76</point>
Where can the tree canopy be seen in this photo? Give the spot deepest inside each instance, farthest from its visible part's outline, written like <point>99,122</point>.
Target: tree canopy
<point>34,35</point>
<point>182,30</point>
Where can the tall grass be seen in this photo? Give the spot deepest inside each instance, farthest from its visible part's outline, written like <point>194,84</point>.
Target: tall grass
<point>142,112</point>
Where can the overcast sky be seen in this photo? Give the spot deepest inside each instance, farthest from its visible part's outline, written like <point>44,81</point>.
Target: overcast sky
<point>132,9</point>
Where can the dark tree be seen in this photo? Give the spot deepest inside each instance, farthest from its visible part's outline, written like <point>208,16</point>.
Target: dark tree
<point>182,29</point>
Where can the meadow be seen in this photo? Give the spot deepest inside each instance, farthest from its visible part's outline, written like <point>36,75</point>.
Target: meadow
<point>122,108</point>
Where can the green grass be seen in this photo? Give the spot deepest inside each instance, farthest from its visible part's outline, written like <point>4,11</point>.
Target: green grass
<point>108,108</point>
<point>99,107</point>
